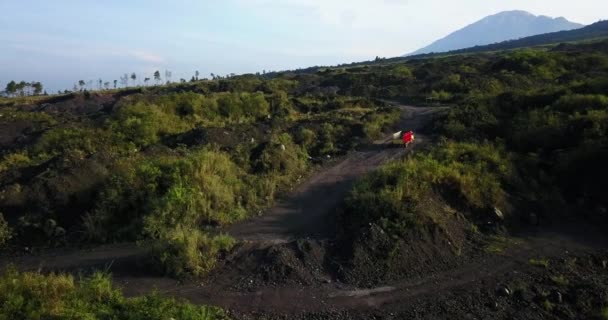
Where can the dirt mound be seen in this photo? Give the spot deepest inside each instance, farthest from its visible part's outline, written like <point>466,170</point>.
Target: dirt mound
<point>377,258</point>
<point>250,266</point>
<point>570,286</point>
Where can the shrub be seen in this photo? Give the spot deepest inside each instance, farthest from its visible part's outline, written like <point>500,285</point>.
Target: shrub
<point>544,263</point>
<point>186,251</point>
<point>441,96</point>
<point>604,313</point>
<point>581,102</point>
<point>31,295</point>
<point>396,195</point>
<point>63,140</point>
<point>282,157</point>
<point>14,161</point>
<point>5,231</point>
<point>379,120</point>
<point>307,138</point>
<point>144,124</point>
<point>147,197</point>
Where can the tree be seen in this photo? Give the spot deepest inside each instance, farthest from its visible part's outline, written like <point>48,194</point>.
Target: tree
<point>37,86</point>
<point>106,85</point>
<point>146,81</point>
<point>124,80</point>
<point>133,77</point>
<point>182,80</point>
<point>196,74</point>
<point>81,83</point>
<point>21,86</point>
<point>157,76</point>
<point>99,83</point>
<point>168,75</point>
<point>115,83</point>
<point>11,88</point>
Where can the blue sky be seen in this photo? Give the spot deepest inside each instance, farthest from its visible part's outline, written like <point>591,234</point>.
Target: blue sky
<point>59,42</point>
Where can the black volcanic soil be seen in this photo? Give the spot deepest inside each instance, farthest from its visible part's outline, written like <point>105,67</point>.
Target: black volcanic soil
<point>288,265</point>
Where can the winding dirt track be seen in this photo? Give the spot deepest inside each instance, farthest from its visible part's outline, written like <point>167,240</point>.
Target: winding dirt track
<point>307,213</point>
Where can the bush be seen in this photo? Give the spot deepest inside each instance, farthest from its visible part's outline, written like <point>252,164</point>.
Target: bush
<point>604,313</point>
<point>581,102</point>
<point>144,124</point>
<point>147,197</point>
<point>56,296</point>
<point>397,196</point>
<point>377,121</point>
<point>186,251</point>
<point>64,140</point>
<point>283,157</point>
<point>5,231</point>
<point>307,138</point>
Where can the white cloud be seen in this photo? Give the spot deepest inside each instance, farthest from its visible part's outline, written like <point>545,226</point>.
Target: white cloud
<point>143,56</point>
<point>70,48</point>
<point>345,13</point>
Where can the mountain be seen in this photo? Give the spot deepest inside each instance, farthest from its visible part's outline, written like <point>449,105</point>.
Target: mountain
<point>507,25</point>
<point>596,31</point>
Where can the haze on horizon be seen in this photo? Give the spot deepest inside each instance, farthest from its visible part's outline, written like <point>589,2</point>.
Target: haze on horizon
<point>60,42</point>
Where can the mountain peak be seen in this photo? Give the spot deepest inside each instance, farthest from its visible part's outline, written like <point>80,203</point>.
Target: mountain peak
<point>502,26</point>
<point>512,13</point>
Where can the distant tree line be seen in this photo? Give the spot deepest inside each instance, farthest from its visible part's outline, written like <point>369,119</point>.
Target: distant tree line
<point>23,88</point>
<point>125,81</point>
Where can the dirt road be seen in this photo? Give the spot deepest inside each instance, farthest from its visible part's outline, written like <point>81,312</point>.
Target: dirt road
<point>306,213</point>
<point>487,272</point>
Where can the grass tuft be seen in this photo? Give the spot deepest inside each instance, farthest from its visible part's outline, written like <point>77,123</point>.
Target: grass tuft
<point>31,295</point>
<point>544,263</point>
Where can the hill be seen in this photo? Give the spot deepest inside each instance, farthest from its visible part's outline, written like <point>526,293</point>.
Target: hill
<point>597,30</point>
<point>503,26</point>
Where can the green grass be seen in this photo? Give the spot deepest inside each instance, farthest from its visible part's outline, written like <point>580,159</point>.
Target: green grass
<point>604,313</point>
<point>186,251</point>
<point>398,196</point>
<point>544,263</point>
<point>5,231</point>
<point>498,244</point>
<point>31,295</point>
<point>560,280</point>
<point>547,305</point>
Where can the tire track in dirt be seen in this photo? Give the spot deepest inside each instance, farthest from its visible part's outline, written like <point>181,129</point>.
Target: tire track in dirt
<point>306,212</point>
